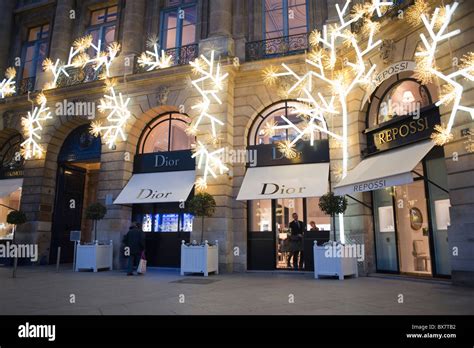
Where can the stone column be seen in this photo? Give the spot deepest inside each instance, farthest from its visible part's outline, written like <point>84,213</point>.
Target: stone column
<point>61,39</point>
<point>6,18</point>
<point>240,27</point>
<point>220,29</point>
<point>133,36</point>
<point>62,30</point>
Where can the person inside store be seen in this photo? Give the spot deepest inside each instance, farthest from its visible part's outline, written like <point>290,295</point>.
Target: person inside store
<point>296,242</point>
<point>313,226</point>
<point>135,241</point>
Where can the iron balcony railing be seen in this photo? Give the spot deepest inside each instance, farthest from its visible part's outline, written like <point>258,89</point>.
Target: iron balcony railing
<point>26,85</point>
<point>179,56</point>
<point>276,47</point>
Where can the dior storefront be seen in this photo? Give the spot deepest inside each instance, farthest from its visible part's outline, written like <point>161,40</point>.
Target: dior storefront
<point>162,181</point>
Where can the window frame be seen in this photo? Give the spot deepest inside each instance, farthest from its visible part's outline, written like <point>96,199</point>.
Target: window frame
<point>179,25</point>
<point>103,26</point>
<point>166,117</point>
<point>36,44</point>
<point>286,28</point>
<point>260,120</point>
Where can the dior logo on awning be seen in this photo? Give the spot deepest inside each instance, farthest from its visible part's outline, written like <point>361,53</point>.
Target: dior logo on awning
<point>152,194</point>
<point>165,161</point>
<point>278,155</point>
<point>269,189</point>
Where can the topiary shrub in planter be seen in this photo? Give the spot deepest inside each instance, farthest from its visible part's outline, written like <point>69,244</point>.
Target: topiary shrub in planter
<point>202,258</point>
<point>16,217</point>
<point>202,205</point>
<point>95,212</point>
<point>333,205</point>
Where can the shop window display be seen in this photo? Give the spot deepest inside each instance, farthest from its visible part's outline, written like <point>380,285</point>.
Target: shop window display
<point>9,201</point>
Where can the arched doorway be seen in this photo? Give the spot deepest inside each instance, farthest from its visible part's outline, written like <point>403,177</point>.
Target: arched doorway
<point>11,181</point>
<point>76,187</point>
<point>164,148</point>
<point>281,196</point>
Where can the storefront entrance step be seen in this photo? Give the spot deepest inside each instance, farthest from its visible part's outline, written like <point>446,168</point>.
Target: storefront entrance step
<point>199,281</point>
<point>278,271</point>
<point>412,278</point>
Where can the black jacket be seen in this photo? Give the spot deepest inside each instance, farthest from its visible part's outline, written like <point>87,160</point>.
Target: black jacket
<point>135,240</point>
<point>296,228</point>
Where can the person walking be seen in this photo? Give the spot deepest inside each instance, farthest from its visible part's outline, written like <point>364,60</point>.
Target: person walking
<point>135,241</point>
<point>296,242</point>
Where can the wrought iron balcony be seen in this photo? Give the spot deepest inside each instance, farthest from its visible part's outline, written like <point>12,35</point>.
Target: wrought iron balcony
<point>179,56</point>
<point>277,47</point>
<point>26,85</point>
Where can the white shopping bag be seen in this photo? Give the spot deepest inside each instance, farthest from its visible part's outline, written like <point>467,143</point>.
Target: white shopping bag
<point>142,265</point>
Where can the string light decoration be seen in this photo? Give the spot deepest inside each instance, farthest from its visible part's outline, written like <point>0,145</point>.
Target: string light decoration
<point>341,75</point>
<point>79,58</point>
<point>426,70</point>
<point>441,135</point>
<point>208,84</point>
<point>32,127</point>
<point>155,59</point>
<point>118,115</point>
<point>211,161</point>
<point>7,86</point>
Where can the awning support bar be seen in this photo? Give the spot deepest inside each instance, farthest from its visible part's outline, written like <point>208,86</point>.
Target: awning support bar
<point>431,182</point>
<point>364,204</point>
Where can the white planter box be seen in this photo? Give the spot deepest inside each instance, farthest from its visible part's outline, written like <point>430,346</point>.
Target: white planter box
<point>94,257</point>
<point>334,266</point>
<point>199,258</point>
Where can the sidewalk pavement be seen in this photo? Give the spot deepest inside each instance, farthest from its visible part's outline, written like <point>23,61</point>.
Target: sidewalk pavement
<point>39,290</point>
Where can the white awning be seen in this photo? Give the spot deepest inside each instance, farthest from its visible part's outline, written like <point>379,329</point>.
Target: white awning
<point>162,187</point>
<point>292,181</point>
<point>387,169</point>
<point>8,186</point>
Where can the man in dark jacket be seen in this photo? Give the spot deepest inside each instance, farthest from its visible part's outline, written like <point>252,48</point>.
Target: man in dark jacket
<point>134,240</point>
<point>296,242</point>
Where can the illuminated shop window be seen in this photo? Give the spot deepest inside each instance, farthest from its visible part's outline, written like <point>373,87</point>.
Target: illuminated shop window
<point>167,133</point>
<point>404,98</point>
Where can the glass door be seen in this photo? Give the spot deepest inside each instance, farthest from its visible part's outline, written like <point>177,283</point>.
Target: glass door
<point>288,252</point>
<point>440,217</point>
<point>385,231</point>
<point>413,228</point>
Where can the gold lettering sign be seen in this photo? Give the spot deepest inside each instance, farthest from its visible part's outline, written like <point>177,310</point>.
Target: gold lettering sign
<point>402,131</point>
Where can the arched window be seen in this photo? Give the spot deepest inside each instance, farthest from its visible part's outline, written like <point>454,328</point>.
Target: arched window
<point>275,116</point>
<point>10,159</point>
<point>405,97</point>
<point>166,133</point>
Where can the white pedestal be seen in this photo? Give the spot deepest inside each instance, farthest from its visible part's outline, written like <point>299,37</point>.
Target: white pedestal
<point>94,257</point>
<point>334,266</point>
<point>199,258</point>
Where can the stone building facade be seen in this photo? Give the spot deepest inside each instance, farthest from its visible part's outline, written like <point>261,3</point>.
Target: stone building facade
<point>231,29</point>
